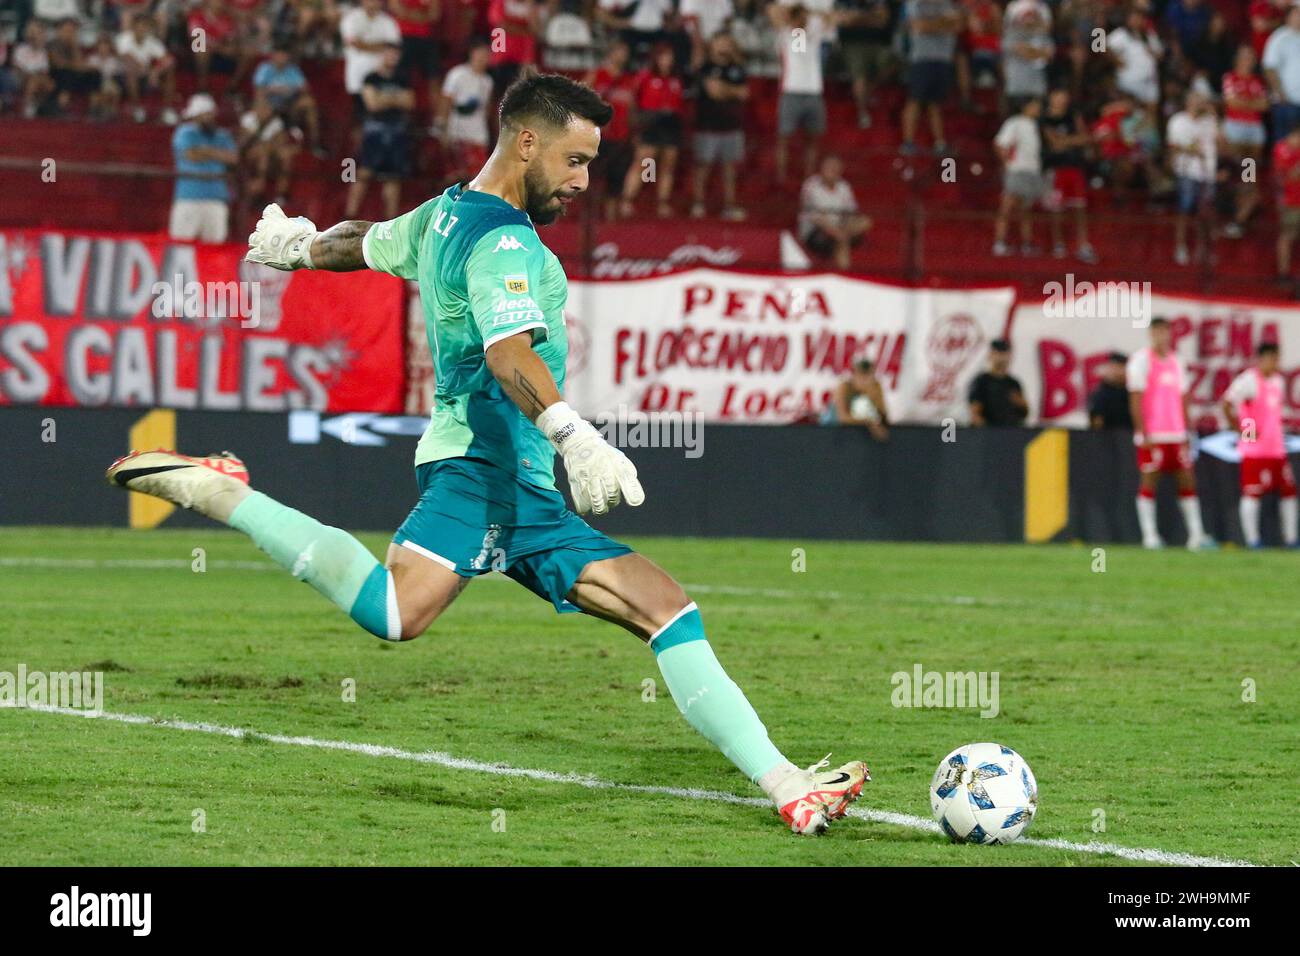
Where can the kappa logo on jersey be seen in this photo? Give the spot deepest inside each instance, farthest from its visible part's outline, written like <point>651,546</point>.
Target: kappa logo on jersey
<point>509,244</point>
<point>516,285</point>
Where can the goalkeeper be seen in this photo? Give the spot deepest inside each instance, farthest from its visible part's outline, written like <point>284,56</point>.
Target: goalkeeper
<point>493,297</point>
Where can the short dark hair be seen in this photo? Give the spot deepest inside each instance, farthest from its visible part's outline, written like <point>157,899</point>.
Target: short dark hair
<point>1267,348</point>
<point>1159,322</point>
<point>551,99</point>
<point>1118,357</point>
<point>1000,345</point>
<point>863,365</point>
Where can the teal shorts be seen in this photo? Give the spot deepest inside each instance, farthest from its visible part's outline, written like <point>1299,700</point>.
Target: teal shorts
<point>474,517</point>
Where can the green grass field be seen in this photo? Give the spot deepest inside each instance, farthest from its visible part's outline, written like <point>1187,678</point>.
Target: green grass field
<point>1122,689</point>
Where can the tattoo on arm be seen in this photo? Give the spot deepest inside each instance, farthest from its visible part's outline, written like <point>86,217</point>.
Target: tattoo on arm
<point>526,397</point>
<point>522,374</point>
<point>338,248</point>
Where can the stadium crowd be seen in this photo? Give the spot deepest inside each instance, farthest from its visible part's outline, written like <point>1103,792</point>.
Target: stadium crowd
<point>1182,103</point>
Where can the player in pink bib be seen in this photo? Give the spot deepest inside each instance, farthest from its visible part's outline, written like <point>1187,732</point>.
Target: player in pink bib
<point>1254,402</point>
<point>1157,385</point>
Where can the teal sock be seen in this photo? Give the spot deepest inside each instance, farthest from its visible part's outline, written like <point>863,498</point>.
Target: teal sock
<point>329,559</point>
<point>709,699</point>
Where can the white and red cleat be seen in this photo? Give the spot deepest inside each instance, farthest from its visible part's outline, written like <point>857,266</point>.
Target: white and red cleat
<point>211,486</point>
<point>810,799</point>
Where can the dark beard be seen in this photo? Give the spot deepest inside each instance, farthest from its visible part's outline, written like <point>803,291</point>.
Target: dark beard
<point>539,194</point>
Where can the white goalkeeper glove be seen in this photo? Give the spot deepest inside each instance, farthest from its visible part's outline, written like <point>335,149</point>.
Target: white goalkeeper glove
<point>280,242</point>
<point>600,476</point>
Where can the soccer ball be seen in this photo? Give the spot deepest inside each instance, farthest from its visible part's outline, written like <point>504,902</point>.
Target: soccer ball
<point>983,793</point>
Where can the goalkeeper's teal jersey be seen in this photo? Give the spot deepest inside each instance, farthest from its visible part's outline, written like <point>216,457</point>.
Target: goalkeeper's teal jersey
<point>484,275</point>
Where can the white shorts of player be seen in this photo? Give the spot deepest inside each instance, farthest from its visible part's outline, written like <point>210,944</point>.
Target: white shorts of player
<point>207,220</point>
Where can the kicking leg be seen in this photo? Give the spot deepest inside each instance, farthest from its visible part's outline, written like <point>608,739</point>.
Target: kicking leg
<point>395,603</point>
<point>636,594</point>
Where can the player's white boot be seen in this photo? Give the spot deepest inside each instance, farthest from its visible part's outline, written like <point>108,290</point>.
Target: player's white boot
<point>810,799</point>
<point>212,486</point>
<point>1153,544</point>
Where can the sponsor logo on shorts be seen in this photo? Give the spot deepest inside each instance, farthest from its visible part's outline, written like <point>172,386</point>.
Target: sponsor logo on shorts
<point>489,545</point>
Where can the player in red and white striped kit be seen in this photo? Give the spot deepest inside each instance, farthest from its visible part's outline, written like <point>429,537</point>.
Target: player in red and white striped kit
<point>1254,402</point>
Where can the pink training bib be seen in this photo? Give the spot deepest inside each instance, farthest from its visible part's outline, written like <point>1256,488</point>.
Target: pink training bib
<point>1265,411</point>
<point>1162,401</point>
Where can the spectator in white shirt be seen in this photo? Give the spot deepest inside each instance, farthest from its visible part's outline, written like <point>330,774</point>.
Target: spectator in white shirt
<point>32,64</point>
<point>1136,50</point>
<point>830,223</point>
<point>52,12</point>
<point>1282,70</point>
<point>1192,141</point>
<point>104,59</point>
<point>1020,148</point>
<point>1027,48</point>
<point>146,62</point>
<point>643,24</point>
<point>703,20</point>
<point>366,31</point>
<point>267,150</point>
<point>461,115</point>
<point>802,105</point>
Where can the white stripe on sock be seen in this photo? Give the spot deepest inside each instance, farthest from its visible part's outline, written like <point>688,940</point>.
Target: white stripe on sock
<point>394,615</point>
<point>673,620</point>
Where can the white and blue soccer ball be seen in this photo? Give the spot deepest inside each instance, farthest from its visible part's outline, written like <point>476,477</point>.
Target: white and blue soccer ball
<point>984,793</point>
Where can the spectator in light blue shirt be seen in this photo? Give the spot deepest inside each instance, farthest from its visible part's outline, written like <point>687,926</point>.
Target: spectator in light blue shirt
<point>281,84</point>
<point>1282,70</point>
<point>204,153</point>
<point>279,79</point>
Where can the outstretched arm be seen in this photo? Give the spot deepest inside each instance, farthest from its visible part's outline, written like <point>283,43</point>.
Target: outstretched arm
<point>289,244</point>
<point>338,248</point>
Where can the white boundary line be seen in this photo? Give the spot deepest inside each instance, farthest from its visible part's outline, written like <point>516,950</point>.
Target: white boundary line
<point>595,783</point>
<point>223,564</point>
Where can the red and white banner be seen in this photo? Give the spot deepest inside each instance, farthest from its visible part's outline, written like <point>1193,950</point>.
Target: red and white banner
<point>130,320</point>
<point>639,250</point>
<point>744,347</point>
<point>1058,352</point>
